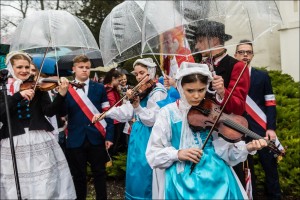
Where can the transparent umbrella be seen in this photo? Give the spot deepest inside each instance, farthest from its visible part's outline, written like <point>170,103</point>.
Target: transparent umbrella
<point>59,30</point>
<point>167,23</point>
<point>120,33</point>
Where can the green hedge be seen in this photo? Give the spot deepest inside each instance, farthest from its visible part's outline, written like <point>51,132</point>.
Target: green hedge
<point>286,91</point>
<point>288,129</point>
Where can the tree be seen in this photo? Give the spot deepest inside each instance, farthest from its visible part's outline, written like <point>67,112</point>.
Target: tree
<point>22,8</point>
<point>93,13</point>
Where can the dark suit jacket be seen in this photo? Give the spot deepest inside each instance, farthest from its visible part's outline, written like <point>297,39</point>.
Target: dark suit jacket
<point>78,123</point>
<point>39,107</point>
<point>260,86</point>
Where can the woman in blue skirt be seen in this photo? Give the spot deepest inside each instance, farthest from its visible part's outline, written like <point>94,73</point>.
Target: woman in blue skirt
<point>144,109</point>
<point>174,147</point>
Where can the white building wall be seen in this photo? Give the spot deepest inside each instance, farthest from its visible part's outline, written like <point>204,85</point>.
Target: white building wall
<point>279,49</point>
<point>289,38</point>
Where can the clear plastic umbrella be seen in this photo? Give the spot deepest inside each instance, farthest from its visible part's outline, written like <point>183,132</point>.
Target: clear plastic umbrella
<point>120,33</point>
<point>59,30</point>
<point>59,27</point>
<point>166,23</point>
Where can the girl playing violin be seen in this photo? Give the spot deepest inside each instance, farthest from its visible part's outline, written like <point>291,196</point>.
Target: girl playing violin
<point>173,146</point>
<point>138,172</point>
<point>42,167</point>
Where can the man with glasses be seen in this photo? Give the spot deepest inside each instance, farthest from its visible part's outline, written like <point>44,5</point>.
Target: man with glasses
<point>261,116</point>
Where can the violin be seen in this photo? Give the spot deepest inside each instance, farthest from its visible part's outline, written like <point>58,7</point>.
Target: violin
<point>142,90</point>
<point>44,84</point>
<point>230,127</point>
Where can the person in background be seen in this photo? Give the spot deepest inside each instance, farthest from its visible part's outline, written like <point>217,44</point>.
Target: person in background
<point>33,69</point>
<point>210,39</point>
<point>143,107</point>
<point>174,146</point>
<point>42,166</point>
<point>111,83</point>
<point>87,142</point>
<point>123,84</point>
<point>261,117</point>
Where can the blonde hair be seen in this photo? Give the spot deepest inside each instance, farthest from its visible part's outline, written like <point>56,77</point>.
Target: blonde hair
<point>81,58</point>
<point>19,57</point>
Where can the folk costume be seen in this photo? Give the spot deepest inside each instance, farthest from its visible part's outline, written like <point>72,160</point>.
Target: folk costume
<point>212,178</point>
<point>138,173</point>
<point>42,167</point>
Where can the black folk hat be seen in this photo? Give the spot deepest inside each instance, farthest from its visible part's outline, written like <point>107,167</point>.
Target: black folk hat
<point>212,29</point>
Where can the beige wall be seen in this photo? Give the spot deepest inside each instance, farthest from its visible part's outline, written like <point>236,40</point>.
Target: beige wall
<point>279,49</point>
<point>289,38</point>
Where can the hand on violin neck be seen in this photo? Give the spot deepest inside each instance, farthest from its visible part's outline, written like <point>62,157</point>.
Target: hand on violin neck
<point>63,86</point>
<point>256,145</point>
<point>135,101</point>
<point>28,94</point>
<point>192,154</point>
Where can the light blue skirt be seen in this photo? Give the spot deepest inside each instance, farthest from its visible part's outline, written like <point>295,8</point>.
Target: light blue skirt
<point>138,173</point>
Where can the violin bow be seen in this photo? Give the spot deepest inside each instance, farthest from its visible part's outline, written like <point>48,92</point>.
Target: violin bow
<point>221,111</point>
<point>42,64</point>
<point>133,89</point>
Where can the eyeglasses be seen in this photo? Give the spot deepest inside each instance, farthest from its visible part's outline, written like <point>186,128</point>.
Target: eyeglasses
<point>242,52</point>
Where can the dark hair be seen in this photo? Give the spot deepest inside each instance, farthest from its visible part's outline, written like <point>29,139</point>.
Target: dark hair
<point>81,58</point>
<point>192,78</point>
<point>141,64</point>
<point>244,42</point>
<point>110,74</point>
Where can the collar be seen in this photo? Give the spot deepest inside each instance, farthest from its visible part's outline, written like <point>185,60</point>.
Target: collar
<point>86,82</point>
<point>218,59</point>
<point>250,68</point>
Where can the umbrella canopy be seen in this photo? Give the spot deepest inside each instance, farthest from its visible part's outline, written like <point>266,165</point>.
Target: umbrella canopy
<point>167,24</point>
<point>56,30</point>
<point>120,33</point>
<point>57,26</point>
<point>66,62</point>
<point>49,66</point>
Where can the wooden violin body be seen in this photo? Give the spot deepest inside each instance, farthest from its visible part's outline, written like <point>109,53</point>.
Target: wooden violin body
<point>44,84</point>
<point>230,127</point>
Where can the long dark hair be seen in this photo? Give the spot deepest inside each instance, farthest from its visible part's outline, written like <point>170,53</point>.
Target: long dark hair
<point>194,78</point>
<point>113,73</point>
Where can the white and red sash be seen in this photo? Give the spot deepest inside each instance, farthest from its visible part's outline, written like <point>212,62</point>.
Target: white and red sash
<point>259,116</point>
<point>88,108</point>
<point>256,113</point>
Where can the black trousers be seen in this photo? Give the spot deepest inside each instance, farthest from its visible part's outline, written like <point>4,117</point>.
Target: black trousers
<point>120,140</point>
<point>97,157</point>
<point>269,164</point>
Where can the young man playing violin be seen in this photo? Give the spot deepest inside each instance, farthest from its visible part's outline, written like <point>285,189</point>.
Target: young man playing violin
<point>87,142</point>
<point>42,166</point>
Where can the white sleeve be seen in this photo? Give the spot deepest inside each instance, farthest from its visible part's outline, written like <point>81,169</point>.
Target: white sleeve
<point>123,113</point>
<point>147,115</point>
<point>160,153</point>
<point>232,153</point>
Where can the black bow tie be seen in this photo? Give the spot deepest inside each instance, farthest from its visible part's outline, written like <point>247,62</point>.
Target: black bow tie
<point>82,84</point>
